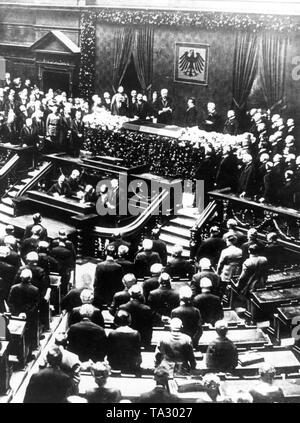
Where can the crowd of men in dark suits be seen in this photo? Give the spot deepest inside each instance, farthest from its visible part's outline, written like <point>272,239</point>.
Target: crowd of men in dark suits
<point>137,307</point>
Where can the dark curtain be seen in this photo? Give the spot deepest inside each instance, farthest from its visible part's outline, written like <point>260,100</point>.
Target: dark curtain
<point>272,68</point>
<point>124,41</point>
<point>245,66</point>
<point>143,56</point>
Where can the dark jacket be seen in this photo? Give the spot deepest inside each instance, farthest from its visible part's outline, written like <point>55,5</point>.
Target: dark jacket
<point>191,117</point>
<point>48,386</point>
<point>96,317</point>
<point>87,340</point>
<point>63,189</point>
<point>178,266</point>
<point>43,234</point>
<point>39,278</point>
<point>222,355</point>
<point>211,248</point>
<point>160,248</point>
<point>103,395</point>
<point>141,319</point>
<point>254,274</point>
<point>149,285</point>
<point>163,300</point>
<point>143,261</point>
<point>158,395</point>
<point>124,350</point>
<point>127,266</point>
<point>227,173</point>
<point>210,307</point>
<point>121,297</point>
<point>141,110</point>
<point>108,281</point>
<point>195,283</point>
<point>23,298</point>
<point>164,117</point>
<point>191,321</point>
<point>247,180</point>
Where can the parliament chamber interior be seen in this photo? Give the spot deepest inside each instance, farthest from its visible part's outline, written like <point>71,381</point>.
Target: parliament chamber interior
<point>149,201</point>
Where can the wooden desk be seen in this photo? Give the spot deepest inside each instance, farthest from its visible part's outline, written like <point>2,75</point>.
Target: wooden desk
<point>17,345</point>
<point>229,388</point>
<point>265,302</point>
<point>284,279</point>
<point>4,368</point>
<point>284,361</point>
<point>283,321</point>
<point>131,387</point>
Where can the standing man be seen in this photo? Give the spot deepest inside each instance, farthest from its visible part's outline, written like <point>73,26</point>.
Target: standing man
<point>165,108</point>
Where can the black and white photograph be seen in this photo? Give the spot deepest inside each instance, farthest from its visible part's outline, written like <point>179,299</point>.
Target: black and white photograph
<point>149,204</point>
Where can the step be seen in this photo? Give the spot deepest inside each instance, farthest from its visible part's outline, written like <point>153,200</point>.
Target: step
<point>8,201</point>
<point>26,180</point>
<point>170,229</point>
<point>12,194</point>
<point>174,240</point>
<point>8,210</point>
<point>180,221</point>
<point>19,186</point>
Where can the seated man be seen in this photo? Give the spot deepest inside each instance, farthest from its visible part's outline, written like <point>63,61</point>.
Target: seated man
<point>221,354</point>
<point>208,304</point>
<point>60,188</point>
<point>86,339</point>
<point>73,182</point>
<point>122,297</point>
<point>49,385</point>
<point>124,345</point>
<point>265,391</point>
<point>102,394</point>
<point>160,393</point>
<point>175,350</point>
<point>178,266</point>
<point>189,315</point>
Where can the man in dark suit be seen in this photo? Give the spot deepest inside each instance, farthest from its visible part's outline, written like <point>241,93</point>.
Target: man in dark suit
<point>39,277</point>
<point>274,252</point>
<point>127,266</point>
<point>60,188</point>
<point>24,299</point>
<point>221,354</point>
<point>212,121</point>
<point>152,283</point>
<point>108,278</point>
<point>205,271</point>
<point>37,221</point>
<point>227,171</point>
<point>145,259</point>
<point>191,114</point>
<point>49,385</point>
<point>211,247</point>
<point>270,192</point>
<point>7,276</point>
<point>163,299</point>
<point>77,313</point>
<point>160,393</point>
<point>77,132</point>
<point>101,393</point>
<point>159,246</point>
<point>252,238</point>
<point>140,108</point>
<point>247,181</point>
<point>31,243</point>
<point>189,315</point>
<point>178,266</point>
<point>209,305</point>
<point>86,339</point>
<point>254,272</point>
<point>141,315</point>
<point>122,297</point>
<point>45,261</point>
<point>165,108</point>
<point>124,345</point>
<point>231,125</point>
<point>63,251</point>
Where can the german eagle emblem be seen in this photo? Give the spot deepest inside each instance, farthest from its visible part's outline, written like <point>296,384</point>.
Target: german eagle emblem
<point>191,63</point>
